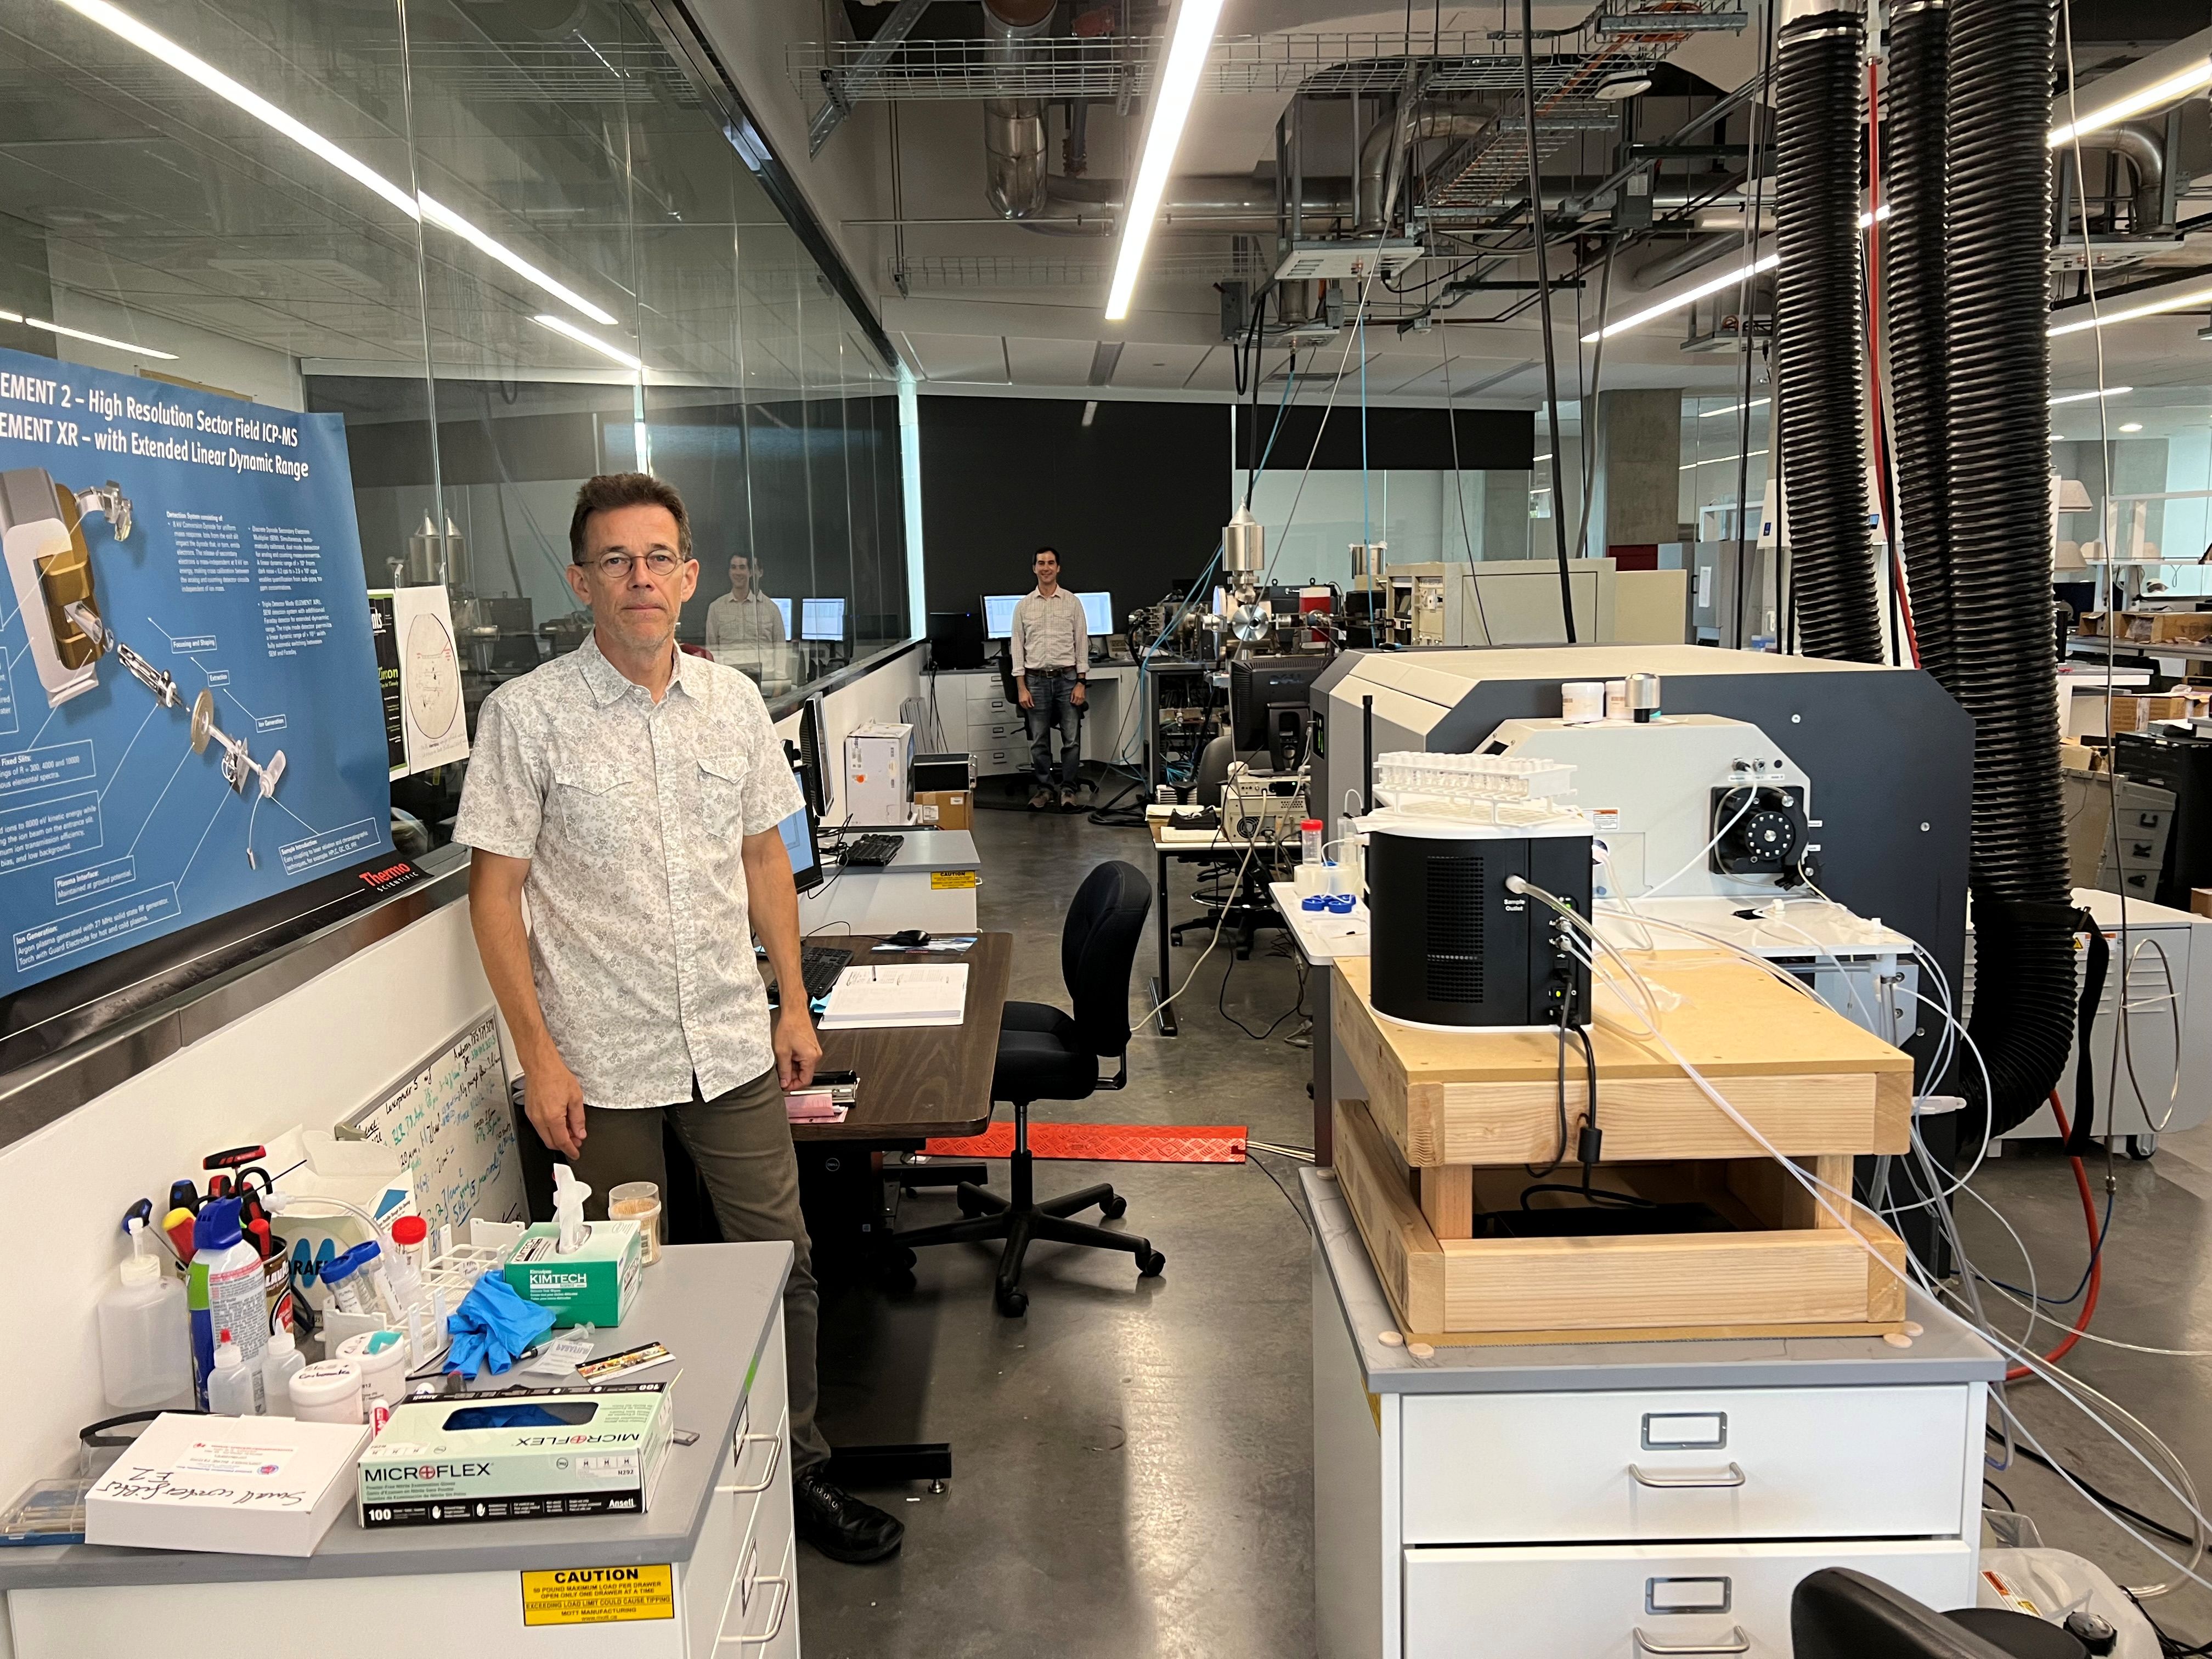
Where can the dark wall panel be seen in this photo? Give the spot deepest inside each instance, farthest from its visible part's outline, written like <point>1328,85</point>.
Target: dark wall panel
<point>1137,499</point>
<point>1132,502</point>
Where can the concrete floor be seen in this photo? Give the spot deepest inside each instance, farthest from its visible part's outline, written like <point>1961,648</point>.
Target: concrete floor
<point>1134,1460</point>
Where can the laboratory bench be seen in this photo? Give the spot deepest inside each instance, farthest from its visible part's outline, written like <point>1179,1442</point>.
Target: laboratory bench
<point>1629,1498</point>
<point>719,1527</point>
<point>929,884</point>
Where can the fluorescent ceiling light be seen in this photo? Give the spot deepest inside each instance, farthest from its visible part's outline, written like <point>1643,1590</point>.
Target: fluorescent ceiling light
<point>444,218</point>
<point>562,326</point>
<point>79,334</point>
<point>418,206</point>
<point>1190,37</point>
<point>1707,413</point>
<point>2091,396</point>
<point>2179,298</point>
<point>2132,426</point>
<point>1540,459</point>
<point>1090,411</point>
<point>1717,460</point>
<point>2157,95</point>
<point>1688,296</point>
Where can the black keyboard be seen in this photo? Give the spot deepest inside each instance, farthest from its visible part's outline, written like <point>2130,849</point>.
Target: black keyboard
<point>872,852</point>
<point>818,968</point>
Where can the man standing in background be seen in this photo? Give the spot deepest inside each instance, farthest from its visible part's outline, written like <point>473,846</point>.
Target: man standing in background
<point>1051,648</point>
<point>745,620</point>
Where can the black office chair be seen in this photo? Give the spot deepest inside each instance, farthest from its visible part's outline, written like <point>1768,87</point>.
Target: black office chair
<point>1838,1613</point>
<point>1047,1055</point>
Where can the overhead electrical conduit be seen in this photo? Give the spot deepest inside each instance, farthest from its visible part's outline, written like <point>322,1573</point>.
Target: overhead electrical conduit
<point>1819,396</point>
<point>1998,379</point>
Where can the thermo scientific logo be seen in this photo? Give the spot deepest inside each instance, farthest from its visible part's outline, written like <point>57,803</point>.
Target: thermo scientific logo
<point>374,1472</point>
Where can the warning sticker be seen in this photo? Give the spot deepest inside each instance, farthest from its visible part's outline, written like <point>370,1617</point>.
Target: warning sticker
<point>940,879</point>
<point>598,1595</point>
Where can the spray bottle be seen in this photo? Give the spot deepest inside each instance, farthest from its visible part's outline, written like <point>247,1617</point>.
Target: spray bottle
<point>224,1293</point>
<point>568,1196</point>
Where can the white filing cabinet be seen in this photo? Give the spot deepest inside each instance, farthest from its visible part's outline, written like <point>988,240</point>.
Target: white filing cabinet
<point>974,714</point>
<point>2161,1089</point>
<point>1621,1500</point>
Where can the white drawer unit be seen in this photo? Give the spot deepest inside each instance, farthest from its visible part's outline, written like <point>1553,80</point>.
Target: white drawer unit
<point>1623,1500</point>
<point>1717,1463</point>
<point>1646,1602</point>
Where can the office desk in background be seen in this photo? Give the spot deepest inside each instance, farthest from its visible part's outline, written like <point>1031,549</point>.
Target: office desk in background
<point>1171,845</point>
<point>930,884</point>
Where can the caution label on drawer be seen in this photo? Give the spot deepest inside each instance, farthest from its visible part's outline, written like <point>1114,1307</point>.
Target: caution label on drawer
<point>598,1595</point>
<point>940,879</point>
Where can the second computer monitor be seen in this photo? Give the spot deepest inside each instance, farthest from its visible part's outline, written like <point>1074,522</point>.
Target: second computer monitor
<point>998,615</point>
<point>822,619</point>
<point>1097,614</point>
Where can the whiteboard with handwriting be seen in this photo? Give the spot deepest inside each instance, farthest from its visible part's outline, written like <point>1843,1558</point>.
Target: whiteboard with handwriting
<point>449,1121</point>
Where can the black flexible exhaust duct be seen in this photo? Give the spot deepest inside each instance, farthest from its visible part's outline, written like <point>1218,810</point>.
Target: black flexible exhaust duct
<point>1819,400</point>
<point>1998,381</point>
<point>1912,260</point>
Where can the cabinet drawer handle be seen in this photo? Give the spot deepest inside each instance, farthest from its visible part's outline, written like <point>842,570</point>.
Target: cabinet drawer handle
<point>1737,1643</point>
<point>1734,1477</point>
<point>773,1443</point>
<point>783,1601</point>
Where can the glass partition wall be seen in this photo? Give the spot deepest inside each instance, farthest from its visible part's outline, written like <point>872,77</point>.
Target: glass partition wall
<point>510,242</point>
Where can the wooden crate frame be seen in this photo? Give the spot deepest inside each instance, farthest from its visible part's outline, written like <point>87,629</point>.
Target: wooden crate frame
<point>1811,1081</point>
<point>1792,1273</point>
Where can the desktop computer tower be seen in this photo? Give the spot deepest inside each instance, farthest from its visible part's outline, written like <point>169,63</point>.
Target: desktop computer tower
<point>878,762</point>
<point>2179,762</point>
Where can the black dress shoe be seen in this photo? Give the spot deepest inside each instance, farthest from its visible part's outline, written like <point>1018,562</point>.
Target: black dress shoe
<point>839,1524</point>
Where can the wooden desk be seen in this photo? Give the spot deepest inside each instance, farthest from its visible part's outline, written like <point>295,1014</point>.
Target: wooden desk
<point>915,1082</point>
<point>920,1081</point>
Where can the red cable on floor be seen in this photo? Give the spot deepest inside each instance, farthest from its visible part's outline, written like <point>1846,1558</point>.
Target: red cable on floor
<point>2017,1373</point>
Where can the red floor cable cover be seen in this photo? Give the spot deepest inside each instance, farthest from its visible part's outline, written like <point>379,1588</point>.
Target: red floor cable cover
<point>1108,1143</point>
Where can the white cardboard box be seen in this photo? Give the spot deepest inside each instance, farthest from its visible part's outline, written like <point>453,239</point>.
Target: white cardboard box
<point>238,1485</point>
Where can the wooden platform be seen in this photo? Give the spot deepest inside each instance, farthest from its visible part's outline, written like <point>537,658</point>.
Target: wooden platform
<point>1790,1271</point>
<point>1813,1083</point>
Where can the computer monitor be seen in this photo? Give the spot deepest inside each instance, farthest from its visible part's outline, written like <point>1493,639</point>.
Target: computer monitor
<point>797,833</point>
<point>783,610</point>
<point>956,640</point>
<point>998,615</point>
<point>1097,614</point>
<point>813,777</point>
<point>822,619</point>
<point>1269,706</point>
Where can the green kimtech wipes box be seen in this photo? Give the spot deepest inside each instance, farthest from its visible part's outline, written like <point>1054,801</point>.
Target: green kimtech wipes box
<point>590,1285</point>
<point>527,1455</point>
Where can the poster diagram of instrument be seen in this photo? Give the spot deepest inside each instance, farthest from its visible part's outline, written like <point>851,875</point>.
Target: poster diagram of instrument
<point>190,718</point>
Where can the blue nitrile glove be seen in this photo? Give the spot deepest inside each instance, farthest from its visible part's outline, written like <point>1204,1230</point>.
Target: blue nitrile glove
<point>494,1326</point>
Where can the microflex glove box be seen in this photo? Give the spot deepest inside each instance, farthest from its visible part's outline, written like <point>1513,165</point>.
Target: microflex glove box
<point>526,1454</point>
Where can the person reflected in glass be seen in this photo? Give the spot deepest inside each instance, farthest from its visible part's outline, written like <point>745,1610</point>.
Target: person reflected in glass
<point>744,620</point>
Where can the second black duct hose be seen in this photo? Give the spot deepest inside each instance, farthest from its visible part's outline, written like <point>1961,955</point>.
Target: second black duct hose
<point>1819,400</point>
<point>1999,582</point>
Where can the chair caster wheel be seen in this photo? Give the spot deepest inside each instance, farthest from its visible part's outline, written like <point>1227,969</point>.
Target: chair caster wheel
<point>1113,1206</point>
<point>1013,1304</point>
<point>2142,1147</point>
<point>968,1206</point>
<point>1150,1265</point>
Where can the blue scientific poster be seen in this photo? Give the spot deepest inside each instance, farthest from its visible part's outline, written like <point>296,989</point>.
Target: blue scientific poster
<point>189,713</point>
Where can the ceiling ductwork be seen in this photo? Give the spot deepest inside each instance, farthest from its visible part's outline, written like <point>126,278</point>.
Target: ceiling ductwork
<point>1013,128</point>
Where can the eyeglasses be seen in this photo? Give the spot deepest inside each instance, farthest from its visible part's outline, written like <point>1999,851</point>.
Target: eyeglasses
<point>617,566</point>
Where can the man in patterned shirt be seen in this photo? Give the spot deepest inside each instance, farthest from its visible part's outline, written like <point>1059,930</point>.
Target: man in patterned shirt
<point>630,791</point>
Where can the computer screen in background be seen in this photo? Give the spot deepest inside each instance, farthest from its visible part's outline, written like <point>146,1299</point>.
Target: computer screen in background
<point>822,619</point>
<point>998,615</point>
<point>1097,614</point>
<point>783,610</point>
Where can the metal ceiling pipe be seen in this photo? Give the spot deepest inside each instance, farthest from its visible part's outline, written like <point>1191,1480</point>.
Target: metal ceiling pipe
<point>2143,148</point>
<point>1377,149</point>
<point>1207,192</point>
<point>1013,128</point>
